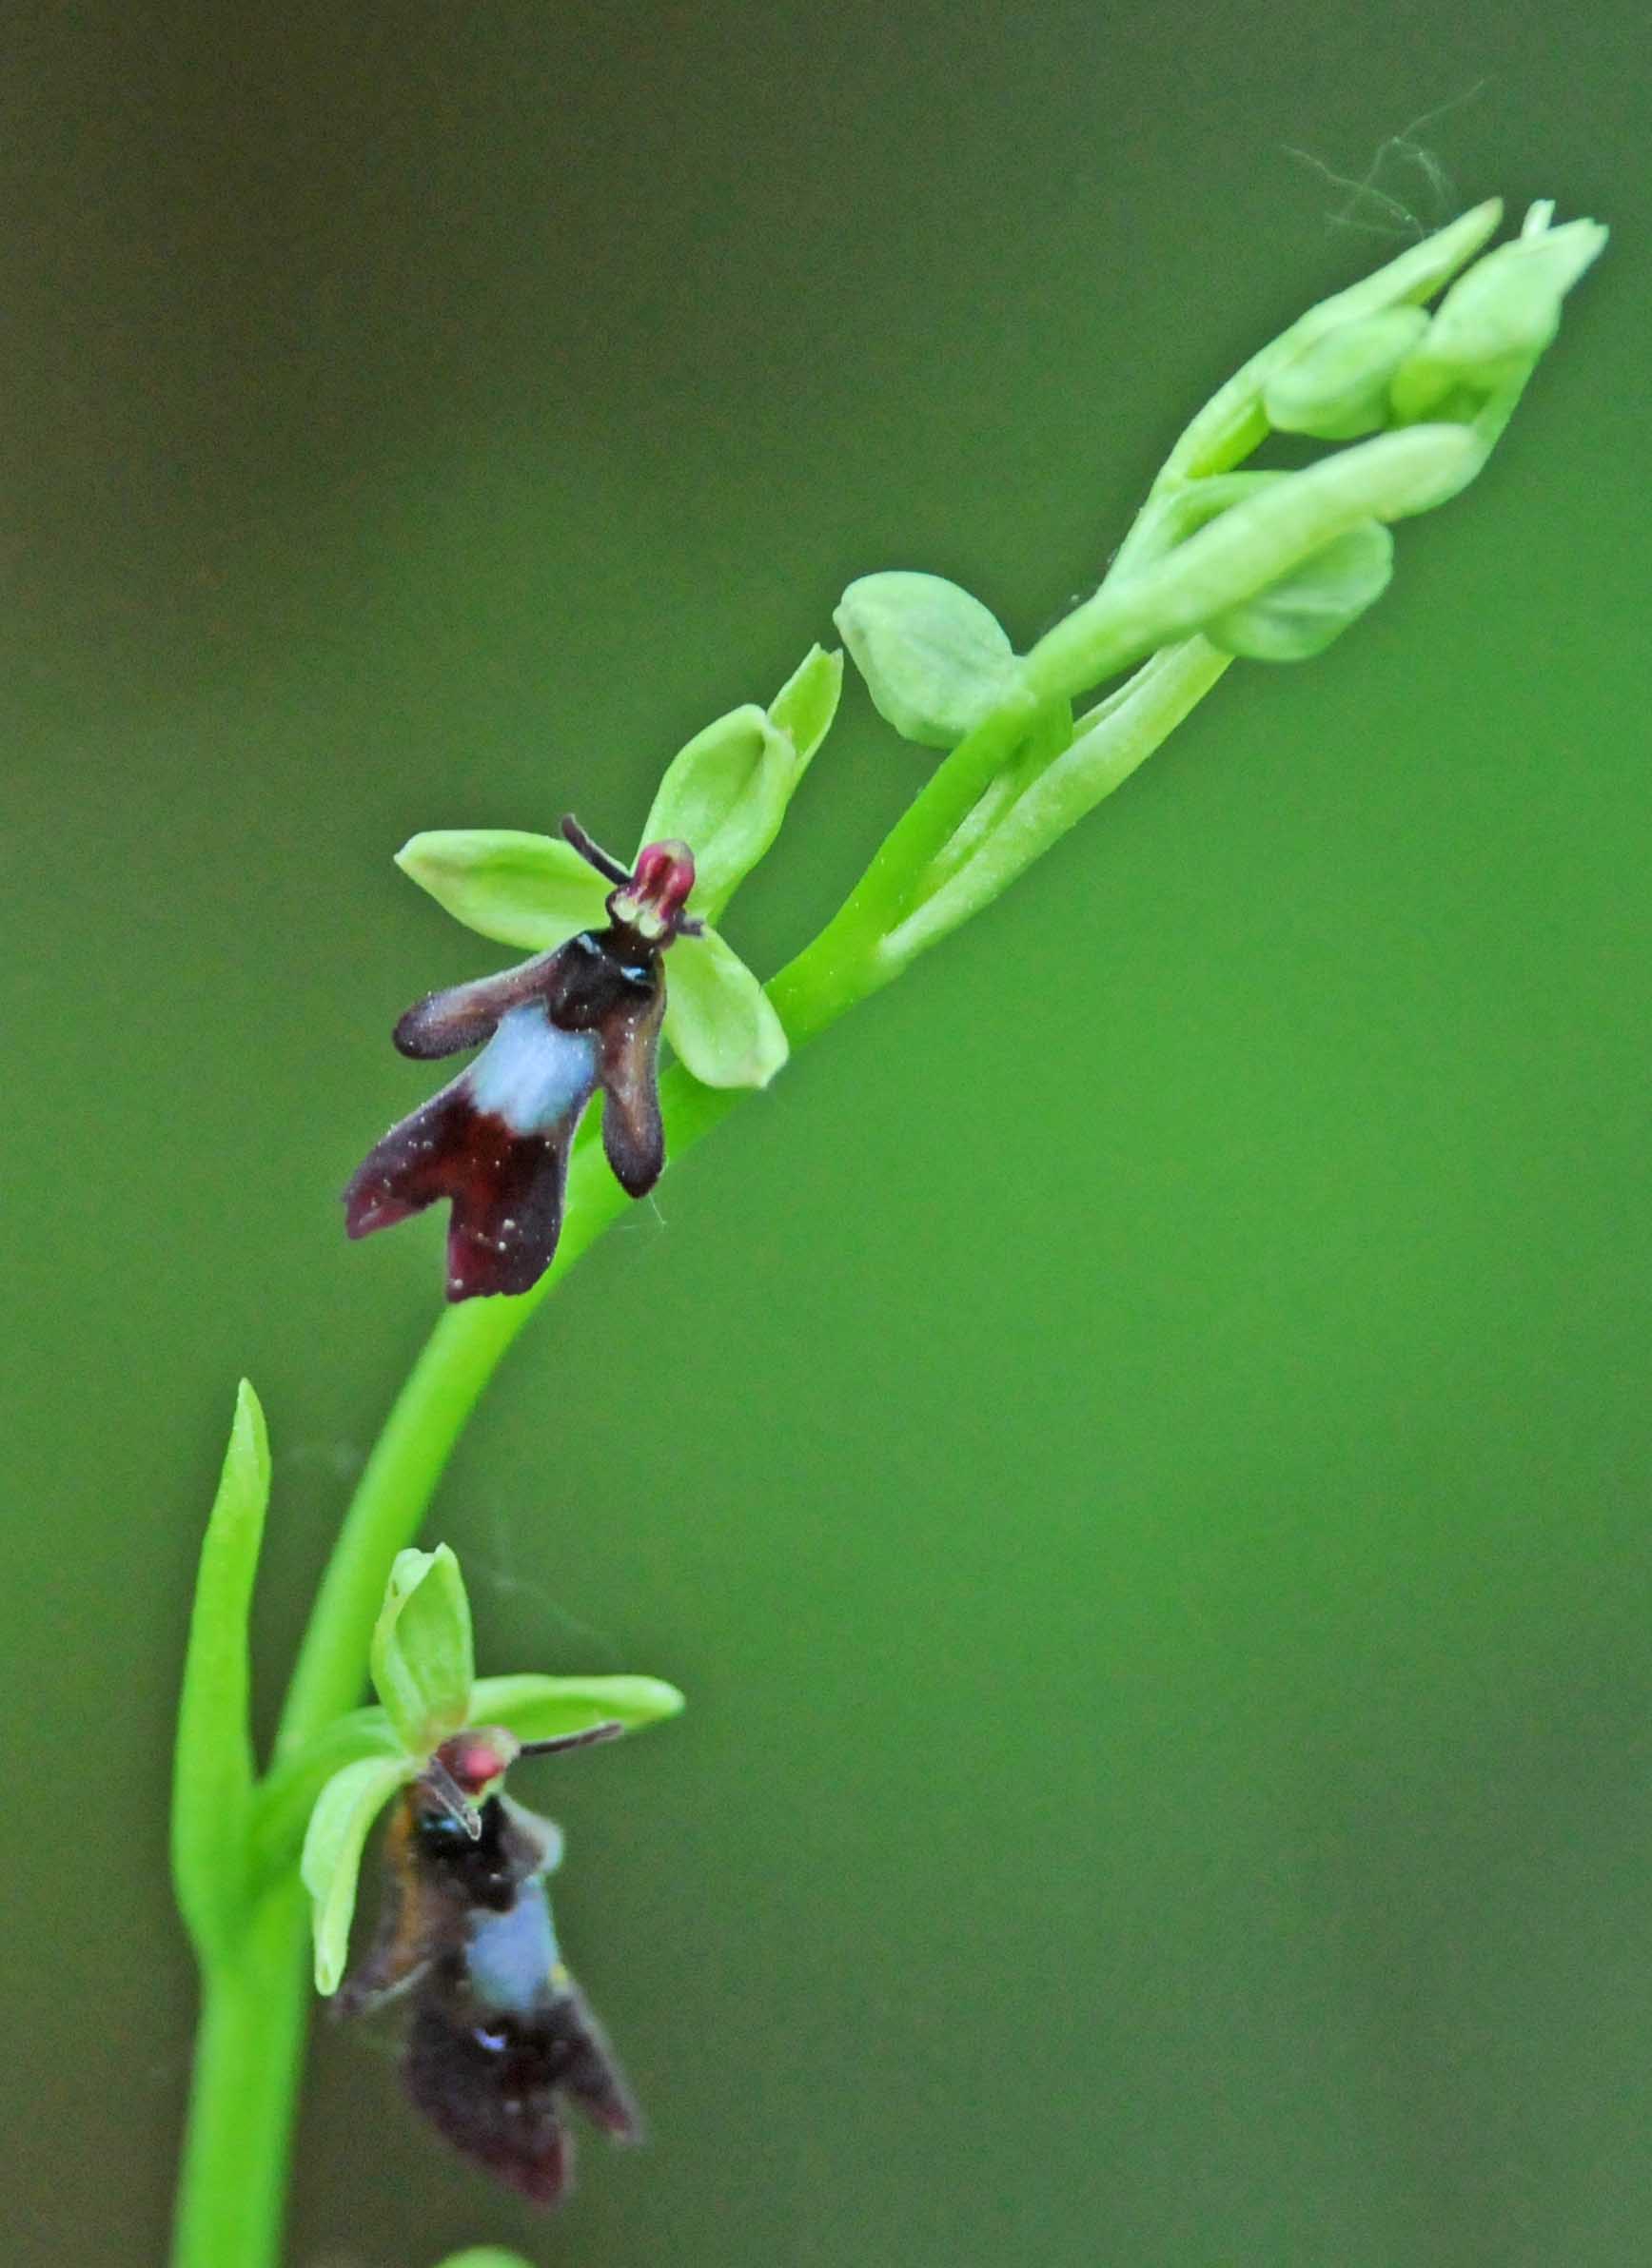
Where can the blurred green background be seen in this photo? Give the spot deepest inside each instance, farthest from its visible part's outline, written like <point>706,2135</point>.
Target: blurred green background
<point>1137,1447</point>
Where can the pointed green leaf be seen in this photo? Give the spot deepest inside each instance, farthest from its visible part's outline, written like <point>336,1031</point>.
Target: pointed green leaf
<point>525,890</point>
<point>935,659</point>
<point>718,1016</point>
<point>423,1654</point>
<point>544,1707</point>
<point>339,1827</point>
<point>1336,387</point>
<point>1298,617</point>
<point>213,1770</point>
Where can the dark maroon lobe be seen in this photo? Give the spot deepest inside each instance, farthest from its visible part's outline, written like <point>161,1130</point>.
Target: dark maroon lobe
<point>506,1189</point>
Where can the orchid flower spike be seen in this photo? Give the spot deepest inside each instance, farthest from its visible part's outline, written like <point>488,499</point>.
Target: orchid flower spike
<point>495,1143</point>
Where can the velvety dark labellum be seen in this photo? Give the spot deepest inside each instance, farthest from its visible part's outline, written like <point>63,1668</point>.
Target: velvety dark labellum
<point>498,2034</point>
<point>496,1142</point>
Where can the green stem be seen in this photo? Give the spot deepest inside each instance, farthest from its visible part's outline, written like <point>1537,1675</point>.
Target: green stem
<point>248,2050</point>
<point>255,2002</point>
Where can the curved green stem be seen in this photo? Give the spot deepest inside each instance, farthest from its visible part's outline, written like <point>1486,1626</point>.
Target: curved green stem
<point>248,2051</point>
<point>255,2004</point>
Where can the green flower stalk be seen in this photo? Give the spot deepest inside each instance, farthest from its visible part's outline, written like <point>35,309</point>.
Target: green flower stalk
<point>1221,563</point>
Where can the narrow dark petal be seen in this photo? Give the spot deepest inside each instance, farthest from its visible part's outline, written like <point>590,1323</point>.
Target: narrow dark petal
<point>464,1015</point>
<point>633,1132</point>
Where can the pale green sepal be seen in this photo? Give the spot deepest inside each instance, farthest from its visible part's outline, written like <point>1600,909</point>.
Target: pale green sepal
<point>423,1654</point>
<point>339,1826</point>
<point>484,2256</point>
<point>1298,617</point>
<point>935,659</point>
<point>806,704</point>
<point>718,1018</point>
<point>213,1770</point>
<point>544,1707</point>
<point>725,795</point>
<point>525,889</point>
<point>1336,387</point>
<point>1496,321</point>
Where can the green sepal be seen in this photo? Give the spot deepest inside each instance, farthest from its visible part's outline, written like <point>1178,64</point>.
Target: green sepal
<point>422,1654</point>
<point>1336,386</point>
<point>537,1708</point>
<point>806,704</point>
<point>718,1018</point>
<point>339,1826</point>
<point>1299,616</point>
<point>532,891</point>
<point>1496,321</point>
<point>484,2256</point>
<point>934,660</point>
<point>726,793</point>
<point>214,1775</point>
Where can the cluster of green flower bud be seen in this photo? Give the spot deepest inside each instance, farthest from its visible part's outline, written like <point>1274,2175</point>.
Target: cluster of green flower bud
<point>1271,566</point>
<point>1400,364</point>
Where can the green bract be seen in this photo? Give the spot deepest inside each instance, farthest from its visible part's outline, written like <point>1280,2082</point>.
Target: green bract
<point>726,796</point>
<point>935,659</point>
<point>423,1661</point>
<point>420,1658</point>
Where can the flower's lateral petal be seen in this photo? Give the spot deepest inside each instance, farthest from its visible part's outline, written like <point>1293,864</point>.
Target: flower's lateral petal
<point>525,890</point>
<point>464,1015</point>
<point>718,1018</point>
<point>339,1826</point>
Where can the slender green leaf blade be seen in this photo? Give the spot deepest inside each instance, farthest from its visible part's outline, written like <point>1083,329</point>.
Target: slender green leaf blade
<point>213,1770</point>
